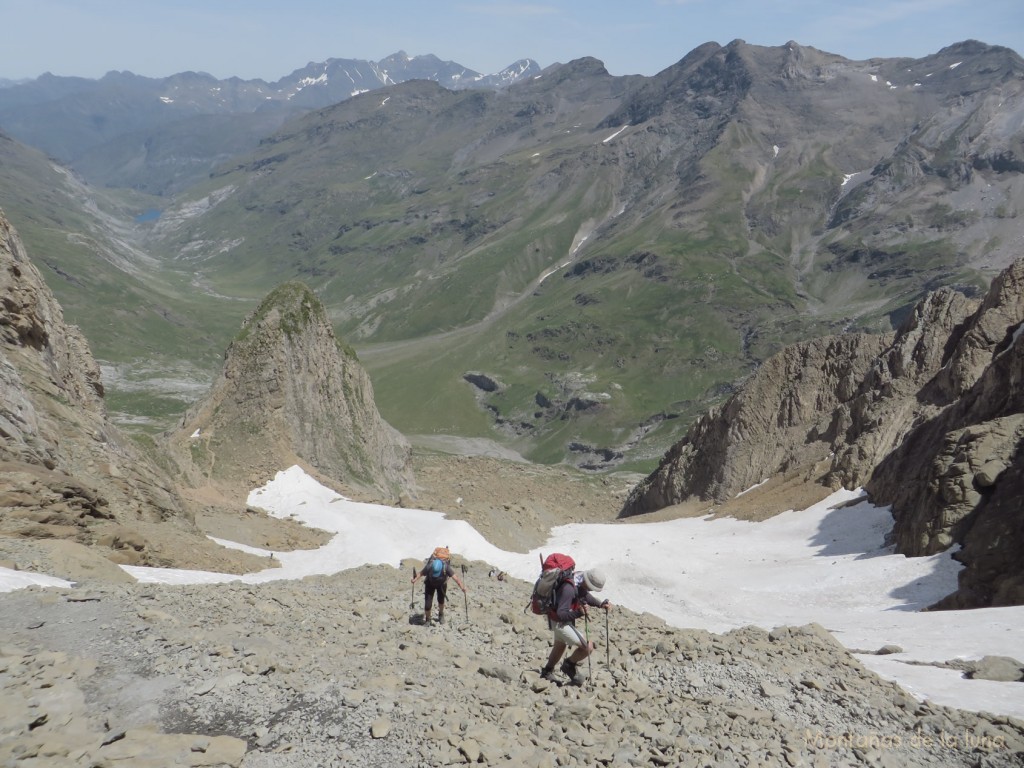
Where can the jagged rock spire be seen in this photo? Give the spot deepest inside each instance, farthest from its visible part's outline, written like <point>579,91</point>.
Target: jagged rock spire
<point>291,392</point>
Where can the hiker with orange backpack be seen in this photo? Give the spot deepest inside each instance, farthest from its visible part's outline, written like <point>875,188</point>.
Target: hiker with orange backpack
<point>569,597</point>
<point>436,572</point>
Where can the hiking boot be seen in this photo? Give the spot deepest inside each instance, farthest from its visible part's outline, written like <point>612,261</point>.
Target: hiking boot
<point>548,673</point>
<point>569,670</point>
<point>440,618</point>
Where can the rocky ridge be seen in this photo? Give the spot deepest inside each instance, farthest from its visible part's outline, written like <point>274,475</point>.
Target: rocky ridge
<point>339,670</point>
<point>928,419</point>
<point>125,129</point>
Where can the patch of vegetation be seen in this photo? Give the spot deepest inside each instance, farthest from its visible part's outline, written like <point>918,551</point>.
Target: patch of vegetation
<point>296,307</point>
<point>144,412</point>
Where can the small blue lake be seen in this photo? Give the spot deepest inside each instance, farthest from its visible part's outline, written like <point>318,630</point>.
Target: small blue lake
<point>151,215</point>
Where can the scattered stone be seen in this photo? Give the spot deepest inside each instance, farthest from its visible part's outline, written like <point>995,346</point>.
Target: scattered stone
<point>346,690</point>
<point>1000,668</point>
<point>770,690</point>
<point>888,650</point>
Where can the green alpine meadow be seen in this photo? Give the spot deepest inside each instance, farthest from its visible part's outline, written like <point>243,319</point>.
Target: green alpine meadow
<point>575,265</point>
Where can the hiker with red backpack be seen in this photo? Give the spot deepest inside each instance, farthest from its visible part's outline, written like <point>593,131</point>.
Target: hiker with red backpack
<point>436,572</point>
<point>563,594</point>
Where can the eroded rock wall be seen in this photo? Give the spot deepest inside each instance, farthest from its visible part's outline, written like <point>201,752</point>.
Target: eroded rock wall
<point>67,471</point>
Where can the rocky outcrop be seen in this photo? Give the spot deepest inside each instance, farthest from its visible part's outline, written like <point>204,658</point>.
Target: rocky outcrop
<point>782,420</point>
<point>67,472</point>
<point>289,393</point>
<point>40,352</point>
<point>993,545</point>
<point>957,477</point>
<point>930,420</point>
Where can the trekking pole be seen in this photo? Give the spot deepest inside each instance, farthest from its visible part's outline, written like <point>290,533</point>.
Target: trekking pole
<point>412,590</point>
<point>465,597</point>
<point>607,650</point>
<point>586,629</point>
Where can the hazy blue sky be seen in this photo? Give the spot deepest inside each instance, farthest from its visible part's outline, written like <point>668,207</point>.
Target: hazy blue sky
<point>271,38</point>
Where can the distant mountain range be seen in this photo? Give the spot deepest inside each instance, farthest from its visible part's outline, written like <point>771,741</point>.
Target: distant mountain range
<point>575,264</point>
<point>160,134</point>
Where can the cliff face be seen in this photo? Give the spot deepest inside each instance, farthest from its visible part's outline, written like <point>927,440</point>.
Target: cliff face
<point>929,420</point>
<point>782,420</point>
<point>67,472</point>
<point>958,477</point>
<point>290,393</point>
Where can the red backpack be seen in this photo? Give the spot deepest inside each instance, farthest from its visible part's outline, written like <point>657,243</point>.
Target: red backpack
<point>555,569</point>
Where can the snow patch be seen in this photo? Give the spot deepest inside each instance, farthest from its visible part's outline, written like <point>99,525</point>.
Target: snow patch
<point>1013,340</point>
<point>11,580</point>
<point>605,141</point>
<point>242,547</point>
<point>748,490</point>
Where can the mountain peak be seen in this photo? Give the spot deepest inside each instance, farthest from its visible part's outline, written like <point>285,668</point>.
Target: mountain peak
<point>291,308</point>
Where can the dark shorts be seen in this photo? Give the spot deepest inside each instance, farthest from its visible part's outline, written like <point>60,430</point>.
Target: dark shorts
<point>440,587</point>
